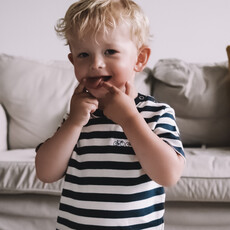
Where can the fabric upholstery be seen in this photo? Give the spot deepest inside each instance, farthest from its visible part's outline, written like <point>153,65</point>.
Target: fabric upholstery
<point>206,176</point>
<point>3,128</point>
<point>200,95</point>
<point>35,95</point>
<point>18,175</point>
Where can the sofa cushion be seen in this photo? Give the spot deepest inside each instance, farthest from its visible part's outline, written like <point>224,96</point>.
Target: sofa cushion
<point>35,95</point>
<point>18,175</point>
<point>200,95</point>
<point>3,128</point>
<point>206,176</point>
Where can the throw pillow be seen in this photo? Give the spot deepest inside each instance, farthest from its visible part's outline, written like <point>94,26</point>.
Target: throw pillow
<point>35,96</point>
<point>200,95</point>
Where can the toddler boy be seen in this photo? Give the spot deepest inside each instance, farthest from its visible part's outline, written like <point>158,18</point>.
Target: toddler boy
<point>117,148</point>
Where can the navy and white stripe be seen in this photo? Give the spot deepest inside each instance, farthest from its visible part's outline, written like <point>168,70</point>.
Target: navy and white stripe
<point>105,186</point>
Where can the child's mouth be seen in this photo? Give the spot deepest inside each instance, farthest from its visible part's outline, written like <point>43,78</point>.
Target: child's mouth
<point>95,82</point>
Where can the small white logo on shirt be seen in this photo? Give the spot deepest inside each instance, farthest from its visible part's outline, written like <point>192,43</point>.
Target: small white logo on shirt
<point>122,143</point>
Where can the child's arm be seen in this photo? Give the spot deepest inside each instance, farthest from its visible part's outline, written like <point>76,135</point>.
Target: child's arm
<point>53,156</point>
<point>157,158</point>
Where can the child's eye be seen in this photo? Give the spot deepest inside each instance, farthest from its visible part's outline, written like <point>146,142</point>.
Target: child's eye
<point>110,52</point>
<point>82,55</point>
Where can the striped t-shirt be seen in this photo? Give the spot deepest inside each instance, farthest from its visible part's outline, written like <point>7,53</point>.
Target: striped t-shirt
<point>105,186</point>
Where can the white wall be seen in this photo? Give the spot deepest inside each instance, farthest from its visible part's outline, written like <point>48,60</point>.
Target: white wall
<point>193,30</point>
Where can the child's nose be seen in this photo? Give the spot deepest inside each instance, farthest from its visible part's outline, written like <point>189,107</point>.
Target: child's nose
<point>98,62</point>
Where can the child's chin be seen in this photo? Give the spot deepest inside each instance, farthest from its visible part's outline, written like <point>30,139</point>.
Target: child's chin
<point>98,93</point>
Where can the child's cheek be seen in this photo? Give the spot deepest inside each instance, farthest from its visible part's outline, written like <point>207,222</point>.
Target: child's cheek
<point>98,93</point>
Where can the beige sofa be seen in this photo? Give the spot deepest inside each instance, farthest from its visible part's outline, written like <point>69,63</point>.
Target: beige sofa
<point>34,97</point>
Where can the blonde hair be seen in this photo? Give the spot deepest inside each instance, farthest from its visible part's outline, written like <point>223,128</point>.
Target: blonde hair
<point>91,16</point>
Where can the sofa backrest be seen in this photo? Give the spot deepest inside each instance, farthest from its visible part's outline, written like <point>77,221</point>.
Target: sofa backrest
<point>35,96</point>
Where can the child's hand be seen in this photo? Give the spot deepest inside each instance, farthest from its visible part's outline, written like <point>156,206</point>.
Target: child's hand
<point>118,106</point>
<point>82,105</point>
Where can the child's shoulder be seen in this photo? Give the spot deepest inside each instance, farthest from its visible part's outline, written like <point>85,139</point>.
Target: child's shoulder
<point>150,100</point>
<point>148,103</point>
<point>141,98</point>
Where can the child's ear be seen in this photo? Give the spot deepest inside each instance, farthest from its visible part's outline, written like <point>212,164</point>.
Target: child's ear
<point>70,56</point>
<point>142,58</point>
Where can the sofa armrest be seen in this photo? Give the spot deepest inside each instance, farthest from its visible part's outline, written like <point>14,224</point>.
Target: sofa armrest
<point>228,54</point>
<point>3,129</point>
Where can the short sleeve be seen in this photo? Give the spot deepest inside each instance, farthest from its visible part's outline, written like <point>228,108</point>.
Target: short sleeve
<point>166,128</point>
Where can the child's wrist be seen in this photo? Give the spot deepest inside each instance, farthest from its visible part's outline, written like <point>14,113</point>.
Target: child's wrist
<point>132,119</point>
<point>72,123</point>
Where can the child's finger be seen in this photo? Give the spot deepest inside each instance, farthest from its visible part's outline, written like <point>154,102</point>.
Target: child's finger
<point>128,88</point>
<point>109,87</point>
<point>81,87</point>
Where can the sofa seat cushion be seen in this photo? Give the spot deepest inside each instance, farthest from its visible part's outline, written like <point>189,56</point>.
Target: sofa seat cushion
<point>18,175</point>
<point>206,176</point>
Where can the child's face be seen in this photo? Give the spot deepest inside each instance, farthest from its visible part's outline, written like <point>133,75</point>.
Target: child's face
<point>111,57</point>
